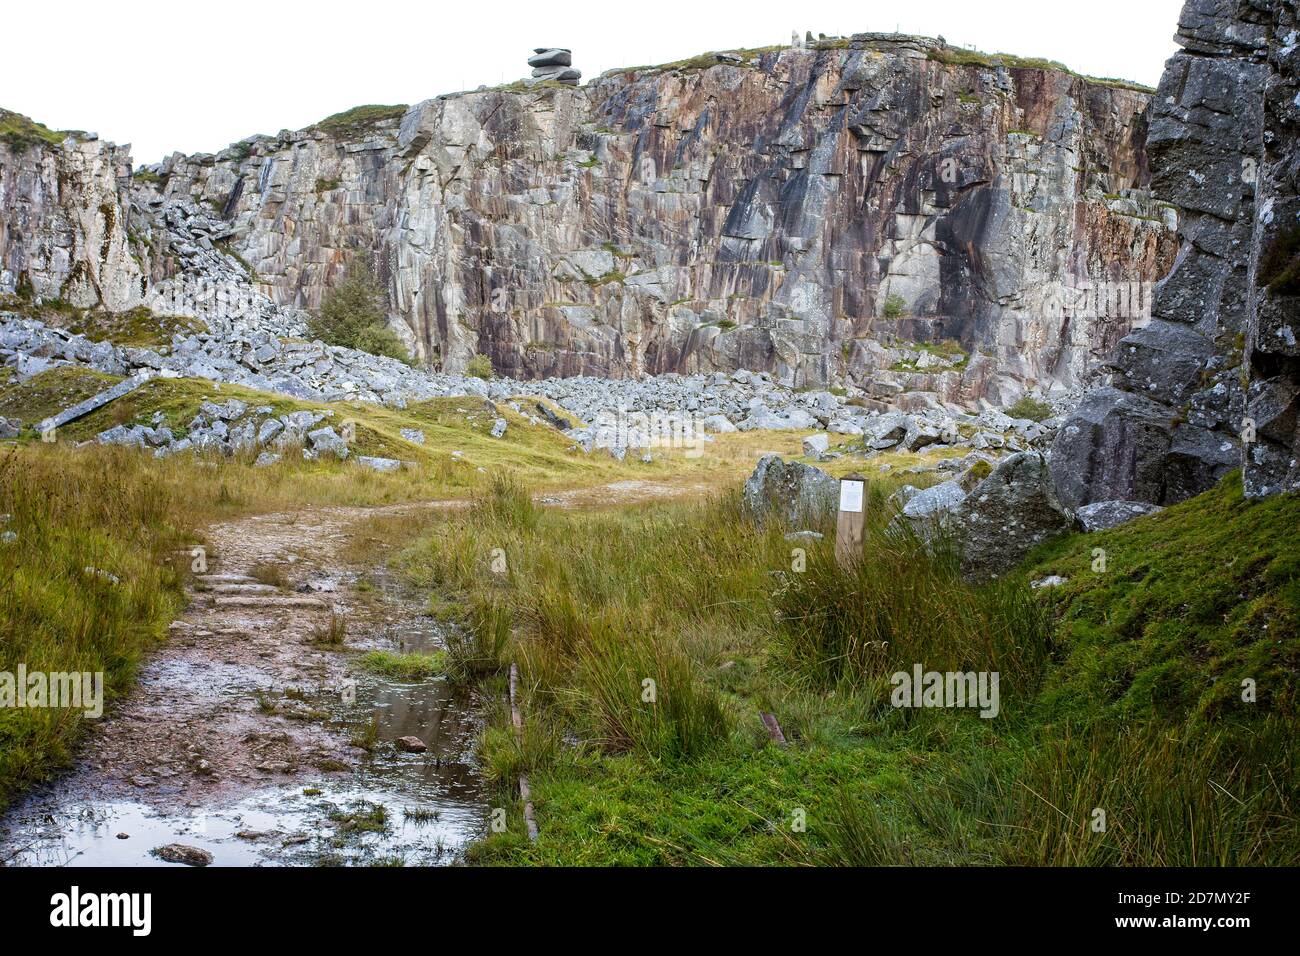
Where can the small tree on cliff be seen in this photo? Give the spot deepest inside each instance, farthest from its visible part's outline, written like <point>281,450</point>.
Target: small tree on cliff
<point>353,314</point>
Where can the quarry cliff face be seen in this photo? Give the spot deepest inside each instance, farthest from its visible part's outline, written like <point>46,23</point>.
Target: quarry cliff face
<point>62,230</point>
<point>792,210</point>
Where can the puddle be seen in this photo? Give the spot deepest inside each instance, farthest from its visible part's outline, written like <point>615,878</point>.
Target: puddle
<point>420,809</point>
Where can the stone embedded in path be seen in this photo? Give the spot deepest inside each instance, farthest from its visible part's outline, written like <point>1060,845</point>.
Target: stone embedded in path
<point>412,745</point>
<point>269,602</point>
<point>180,853</point>
<point>244,589</point>
<point>226,579</point>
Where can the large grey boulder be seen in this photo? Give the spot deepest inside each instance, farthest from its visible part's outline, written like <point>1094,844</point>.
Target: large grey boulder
<point>1113,446</point>
<point>791,490</point>
<point>326,440</point>
<point>763,418</point>
<point>379,464</point>
<point>935,501</point>
<point>1007,514</point>
<point>133,437</point>
<point>9,428</point>
<point>1104,515</point>
<point>814,446</point>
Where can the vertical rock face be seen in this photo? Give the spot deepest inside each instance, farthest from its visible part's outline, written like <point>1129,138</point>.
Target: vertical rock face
<point>62,230</point>
<point>782,210</point>
<point>1273,328</point>
<point>1168,427</point>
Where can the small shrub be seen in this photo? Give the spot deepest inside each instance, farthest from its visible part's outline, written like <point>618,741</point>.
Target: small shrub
<point>1031,408</point>
<point>354,314</point>
<point>895,307</point>
<point>480,366</point>
<point>331,633</point>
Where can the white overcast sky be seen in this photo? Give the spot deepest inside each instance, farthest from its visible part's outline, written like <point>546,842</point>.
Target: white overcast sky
<point>194,78</point>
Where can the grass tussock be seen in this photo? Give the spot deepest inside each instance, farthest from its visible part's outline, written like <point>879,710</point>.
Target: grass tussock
<point>270,573</point>
<point>61,515</point>
<point>905,603</point>
<point>332,632</point>
<point>412,668</point>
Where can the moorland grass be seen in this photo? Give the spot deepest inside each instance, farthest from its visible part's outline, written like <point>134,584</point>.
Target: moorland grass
<point>1123,690</point>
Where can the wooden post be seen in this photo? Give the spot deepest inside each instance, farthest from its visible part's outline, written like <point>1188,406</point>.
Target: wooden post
<point>773,727</point>
<point>516,718</point>
<point>850,526</point>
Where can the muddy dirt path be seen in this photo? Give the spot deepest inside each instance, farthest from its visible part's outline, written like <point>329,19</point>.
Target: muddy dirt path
<point>253,742</point>
<point>240,738</point>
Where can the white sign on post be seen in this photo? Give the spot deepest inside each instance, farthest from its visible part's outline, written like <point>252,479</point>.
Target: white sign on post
<point>851,496</point>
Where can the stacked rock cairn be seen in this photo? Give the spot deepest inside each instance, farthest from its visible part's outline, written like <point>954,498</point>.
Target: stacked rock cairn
<point>553,63</point>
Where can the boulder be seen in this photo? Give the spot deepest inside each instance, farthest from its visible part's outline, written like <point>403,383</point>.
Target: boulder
<point>814,446</point>
<point>9,427</point>
<point>499,427</point>
<point>378,464</point>
<point>325,440</point>
<point>121,435</point>
<point>411,745</point>
<point>1007,514</point>
<point>935,501</point>
<point>793,491</point>
<point>1112,447</point>
<point>887,431</point>
<point>551,56</point>
<point>1103,515</point>
<point>719,424</point>
<point>269,430</point>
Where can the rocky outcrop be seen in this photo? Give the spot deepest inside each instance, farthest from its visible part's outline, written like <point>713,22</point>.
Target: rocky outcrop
<point>1213,382</point>
<point>791,210</point>
<point>1272,459</point>
<point>1167,425</point>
